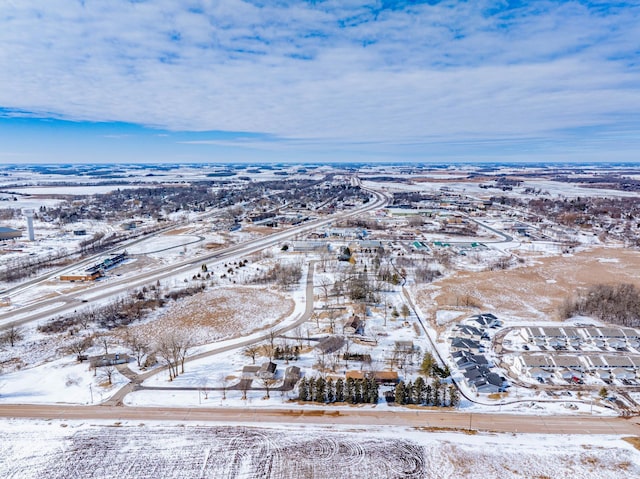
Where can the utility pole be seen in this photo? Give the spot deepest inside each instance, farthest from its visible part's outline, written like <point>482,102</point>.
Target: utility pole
<point>91,392</point>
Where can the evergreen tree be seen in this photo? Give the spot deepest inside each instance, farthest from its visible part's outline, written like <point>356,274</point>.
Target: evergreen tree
<point>400,393</point>
<point>348,393</point>
<point>357,391</point>
<point>454,396</point>
<point>408,393</point>
<point>320,390</point>
<point>428,395</point>
<point>312,388</point>
<point>437,398</point>
<point>303,390</point>
<point>428,362</point>
<point>330,391</point>
<point>418,391</point>
<point>373,392</point>
<point>339,390</point>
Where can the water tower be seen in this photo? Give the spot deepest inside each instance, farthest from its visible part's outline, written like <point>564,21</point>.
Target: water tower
<point>29,214</point>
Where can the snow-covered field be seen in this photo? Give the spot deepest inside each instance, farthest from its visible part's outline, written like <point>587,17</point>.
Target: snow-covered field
<point>54,449</point>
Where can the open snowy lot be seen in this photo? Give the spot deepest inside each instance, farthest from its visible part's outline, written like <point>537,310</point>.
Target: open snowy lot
<point>35,449</point>
<point>532,291</point>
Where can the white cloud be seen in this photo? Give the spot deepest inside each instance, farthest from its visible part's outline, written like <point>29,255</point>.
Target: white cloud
<point>334,72</point>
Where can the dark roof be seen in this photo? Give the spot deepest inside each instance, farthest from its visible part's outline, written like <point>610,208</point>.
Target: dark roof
<point>331,344</point>
<point>465,343</point>
<point>268,367</point>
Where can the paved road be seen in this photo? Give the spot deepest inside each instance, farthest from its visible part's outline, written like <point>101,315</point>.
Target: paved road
<point>505,423</point>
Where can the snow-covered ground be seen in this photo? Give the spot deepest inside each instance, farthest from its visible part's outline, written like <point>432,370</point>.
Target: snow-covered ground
<point>96,450</point>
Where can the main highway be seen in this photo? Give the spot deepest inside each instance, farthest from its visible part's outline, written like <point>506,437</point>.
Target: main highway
<point>428,420</point>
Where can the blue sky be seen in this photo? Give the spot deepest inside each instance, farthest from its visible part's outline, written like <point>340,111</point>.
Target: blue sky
<point>231,80</point>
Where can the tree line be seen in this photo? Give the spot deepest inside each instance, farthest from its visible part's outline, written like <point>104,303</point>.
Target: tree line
<point>423,393</point>
<point>618,304</point>
<point>352,391</point>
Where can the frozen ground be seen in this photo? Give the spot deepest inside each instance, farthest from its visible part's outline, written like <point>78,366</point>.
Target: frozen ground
<point>53,449</point>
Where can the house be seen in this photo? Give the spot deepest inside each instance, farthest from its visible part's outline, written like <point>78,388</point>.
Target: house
<point>354,374</point>
<point>462,344</point>
<point>534,335</point>
<point>539,373</point>
<point>568,362</point>
<point>386,377</point>
<point>467,332</point>
<point>468,360</point>
<point>620,361</point>
<point>568,374</point>
<point>381,377</point>
<point>267,370</point>
<point>354,325</point>
<point>108,360</point>
<point>482,380</point>
<point>526,362</point>
<point>573,336</point>
<point>623,373</point>
<point>330,344</point>
<point>484,321</point>
<point>405,346</point>
<point>9,233</point>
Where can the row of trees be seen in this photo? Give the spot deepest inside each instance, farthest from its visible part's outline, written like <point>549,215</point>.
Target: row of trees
<point>120,312</point>
<point>617,304</point>
<point>284,274</point>
<point>25,266</point>
<point>423,393</point>
<point>353,391</point>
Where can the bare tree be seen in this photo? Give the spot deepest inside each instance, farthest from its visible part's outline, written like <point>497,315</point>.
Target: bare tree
<point>106,373</point>
<point>137,346</point>
<point>204,386</point>
<point>79,347</point>
<point>325,285</point>
<point>244,387</point>
<point>12,335</point>
<point>224,382</point>
<point>105,341</point>
<point>267,382</point>
<point>298,334</point>
<point>163,347</point>
<point>173,348</point>
<point>251,351</point>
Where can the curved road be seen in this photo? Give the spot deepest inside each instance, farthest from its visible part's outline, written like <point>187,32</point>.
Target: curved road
<point>138,379</point>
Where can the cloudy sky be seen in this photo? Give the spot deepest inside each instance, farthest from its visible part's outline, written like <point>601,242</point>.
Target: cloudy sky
<point>260,80</point>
